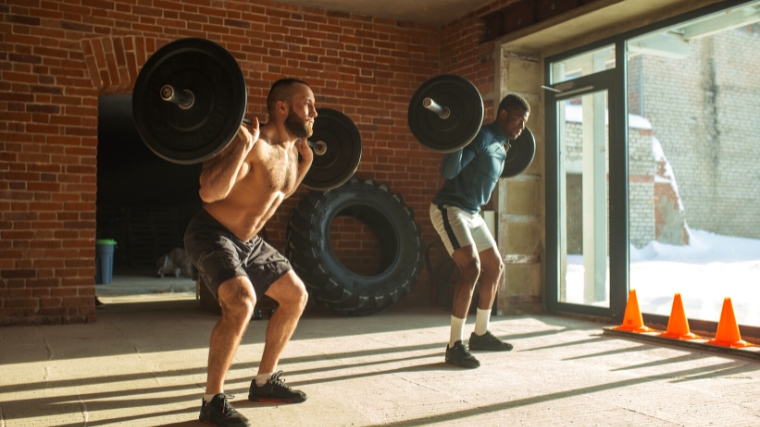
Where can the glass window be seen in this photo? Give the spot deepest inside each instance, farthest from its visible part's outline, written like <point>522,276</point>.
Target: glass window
<point>694,182</point>
<point>584,202</point>
<point>583,64</point>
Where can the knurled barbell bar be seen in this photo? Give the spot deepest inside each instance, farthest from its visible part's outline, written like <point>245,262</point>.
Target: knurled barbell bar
<point>190,98</point>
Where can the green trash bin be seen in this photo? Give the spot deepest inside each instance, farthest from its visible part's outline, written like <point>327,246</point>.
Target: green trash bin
<point>104,249</point>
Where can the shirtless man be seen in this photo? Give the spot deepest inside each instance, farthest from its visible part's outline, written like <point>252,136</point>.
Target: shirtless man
<point>241,189</point>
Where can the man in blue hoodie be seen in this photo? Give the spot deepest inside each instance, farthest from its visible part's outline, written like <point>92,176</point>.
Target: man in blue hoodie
<point>471,174</point>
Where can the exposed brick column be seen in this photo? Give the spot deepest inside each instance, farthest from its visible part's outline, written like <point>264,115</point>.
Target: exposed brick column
<point>48,147</point>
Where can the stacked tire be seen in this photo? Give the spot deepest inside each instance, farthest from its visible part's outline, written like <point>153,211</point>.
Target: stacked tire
<point>328,280</point>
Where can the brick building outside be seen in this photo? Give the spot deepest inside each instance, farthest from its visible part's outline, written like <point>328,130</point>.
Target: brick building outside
<point>704,117</point>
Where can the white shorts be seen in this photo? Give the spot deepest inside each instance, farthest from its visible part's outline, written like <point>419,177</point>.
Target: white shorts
<point>459,228</point>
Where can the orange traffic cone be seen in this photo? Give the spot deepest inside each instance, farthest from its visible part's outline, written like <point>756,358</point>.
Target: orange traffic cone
<point>632,320</point>
<point>678,325</point>
<point>728,334</point>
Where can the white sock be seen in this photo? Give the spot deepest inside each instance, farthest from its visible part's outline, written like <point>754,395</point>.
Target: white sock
<point>261,379</point>
<point>481,322</point>
<point>208,397</point>
<point>457,330</point>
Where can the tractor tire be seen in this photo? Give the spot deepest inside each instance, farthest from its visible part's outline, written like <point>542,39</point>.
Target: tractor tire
<point>327,279</point>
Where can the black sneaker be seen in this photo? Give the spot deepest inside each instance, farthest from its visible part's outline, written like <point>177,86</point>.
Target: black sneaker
<point>459,356</point>
<point>275,390</point>
<point>488,342</point>
<point>220,413</point>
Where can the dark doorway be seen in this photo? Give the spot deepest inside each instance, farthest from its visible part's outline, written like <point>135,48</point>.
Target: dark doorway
<point>143,201</point>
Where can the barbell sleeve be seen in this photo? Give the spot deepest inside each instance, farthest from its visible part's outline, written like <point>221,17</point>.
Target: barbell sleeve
<point>184,99</point>
<point>443,112</point>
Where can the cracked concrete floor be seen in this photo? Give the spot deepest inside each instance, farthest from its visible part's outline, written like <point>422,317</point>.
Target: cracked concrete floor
<point>143,363</point>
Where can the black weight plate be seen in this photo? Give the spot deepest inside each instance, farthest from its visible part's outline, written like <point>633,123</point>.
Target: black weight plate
<point>520,154</point>
<point>463,100</point>
<point>344,150</point>
<point>203,130</point>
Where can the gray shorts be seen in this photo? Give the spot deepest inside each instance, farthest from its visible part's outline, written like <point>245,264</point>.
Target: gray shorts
<point>219,255</point>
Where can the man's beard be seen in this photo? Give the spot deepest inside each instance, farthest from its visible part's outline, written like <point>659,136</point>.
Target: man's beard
<point>298,126</point>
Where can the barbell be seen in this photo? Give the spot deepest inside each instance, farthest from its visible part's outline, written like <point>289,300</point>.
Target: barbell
<point>190,98</point>
<point>446,113</point>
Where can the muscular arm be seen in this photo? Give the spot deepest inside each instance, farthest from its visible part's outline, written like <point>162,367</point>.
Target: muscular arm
<point>307,156</point>
<point>220,173</point>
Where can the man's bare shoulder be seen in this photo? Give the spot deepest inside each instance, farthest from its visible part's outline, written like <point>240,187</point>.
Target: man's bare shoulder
<point>265,139</point>
<point>262,150</point>
<point>226,151</point>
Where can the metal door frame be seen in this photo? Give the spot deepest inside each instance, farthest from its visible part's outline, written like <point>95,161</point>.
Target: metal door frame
<point>608,80</point>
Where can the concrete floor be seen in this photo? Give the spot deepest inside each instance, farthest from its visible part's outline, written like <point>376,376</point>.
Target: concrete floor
<point>141,284</point>
<point>143,363</point>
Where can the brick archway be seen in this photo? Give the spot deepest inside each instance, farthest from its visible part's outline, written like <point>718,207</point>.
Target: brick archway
<point>114,62</point>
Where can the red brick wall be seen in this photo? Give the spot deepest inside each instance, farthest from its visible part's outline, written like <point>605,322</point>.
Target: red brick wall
<point>57,57</point>
<point>48,143</point>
